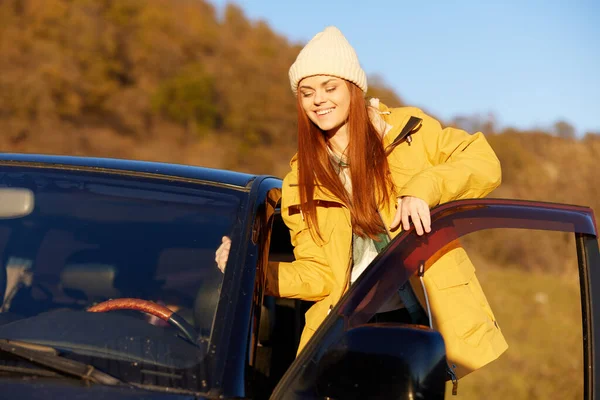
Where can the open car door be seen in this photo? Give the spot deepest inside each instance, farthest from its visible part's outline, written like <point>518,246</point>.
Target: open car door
<point>348,358</point>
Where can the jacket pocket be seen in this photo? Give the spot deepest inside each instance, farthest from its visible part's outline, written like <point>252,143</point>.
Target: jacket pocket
<point>472,329</point>
<point>453,288</point>
<point>453,269</point>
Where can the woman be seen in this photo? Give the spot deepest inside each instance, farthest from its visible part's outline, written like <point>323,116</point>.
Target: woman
<point>362,174</point>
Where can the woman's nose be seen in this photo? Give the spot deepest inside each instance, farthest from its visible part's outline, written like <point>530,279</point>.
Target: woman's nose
<point>319,98</point>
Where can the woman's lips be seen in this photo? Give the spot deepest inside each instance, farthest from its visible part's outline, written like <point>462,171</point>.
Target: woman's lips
<point>324,112</point>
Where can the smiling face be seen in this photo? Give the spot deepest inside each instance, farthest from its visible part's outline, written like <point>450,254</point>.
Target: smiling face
<point>326,101</point>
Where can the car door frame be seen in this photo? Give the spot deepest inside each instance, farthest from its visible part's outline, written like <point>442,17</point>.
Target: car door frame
<point>234,337</point>
<point>451,221</point>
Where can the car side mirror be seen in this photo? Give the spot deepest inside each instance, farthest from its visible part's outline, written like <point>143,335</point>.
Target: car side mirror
<point>377,361</point>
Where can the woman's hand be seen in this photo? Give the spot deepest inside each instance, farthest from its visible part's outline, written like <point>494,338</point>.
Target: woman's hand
<point>414,209</point>
<point>222,253</point>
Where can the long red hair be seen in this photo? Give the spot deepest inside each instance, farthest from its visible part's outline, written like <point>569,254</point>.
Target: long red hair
<point>369,170</point>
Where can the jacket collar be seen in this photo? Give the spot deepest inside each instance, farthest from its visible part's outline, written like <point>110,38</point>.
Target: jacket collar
<point>403,124</point>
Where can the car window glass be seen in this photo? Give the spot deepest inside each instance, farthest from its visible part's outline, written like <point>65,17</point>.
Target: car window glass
<point>531,281</point>
<point>92,237</point>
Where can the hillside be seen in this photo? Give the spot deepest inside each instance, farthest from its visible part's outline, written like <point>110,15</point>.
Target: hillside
<point>167,80</point>
<point>160,79</point>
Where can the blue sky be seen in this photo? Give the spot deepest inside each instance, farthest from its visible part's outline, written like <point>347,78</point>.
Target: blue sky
<point>529,62</point>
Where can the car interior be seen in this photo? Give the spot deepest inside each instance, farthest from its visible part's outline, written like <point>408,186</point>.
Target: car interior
<point>281,321</point>
<point>56,263</point>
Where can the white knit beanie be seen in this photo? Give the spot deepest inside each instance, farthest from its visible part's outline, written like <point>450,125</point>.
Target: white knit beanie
<point>328,53</point>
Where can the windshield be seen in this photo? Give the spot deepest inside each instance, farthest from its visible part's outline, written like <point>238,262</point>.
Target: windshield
<point>91,237</point>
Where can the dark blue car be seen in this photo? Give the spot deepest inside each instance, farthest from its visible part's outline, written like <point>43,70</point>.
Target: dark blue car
<point>109,289</point>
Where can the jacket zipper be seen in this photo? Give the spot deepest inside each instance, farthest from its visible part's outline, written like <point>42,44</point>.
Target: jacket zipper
<point>347,283</point>
<point>387,231</point>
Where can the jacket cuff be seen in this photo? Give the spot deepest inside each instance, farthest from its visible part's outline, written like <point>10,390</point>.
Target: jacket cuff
<point>424,188</point>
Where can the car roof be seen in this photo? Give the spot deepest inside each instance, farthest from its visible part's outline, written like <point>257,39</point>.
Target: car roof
<point>158,169</point>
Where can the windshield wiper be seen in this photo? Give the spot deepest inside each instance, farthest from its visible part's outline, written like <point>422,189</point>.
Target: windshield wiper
<point>50,358</point>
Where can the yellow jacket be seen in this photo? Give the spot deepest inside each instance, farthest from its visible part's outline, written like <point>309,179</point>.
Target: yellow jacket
<point>438,165</point>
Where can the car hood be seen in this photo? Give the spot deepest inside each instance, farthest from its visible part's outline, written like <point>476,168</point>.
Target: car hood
<point>45,389</point>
